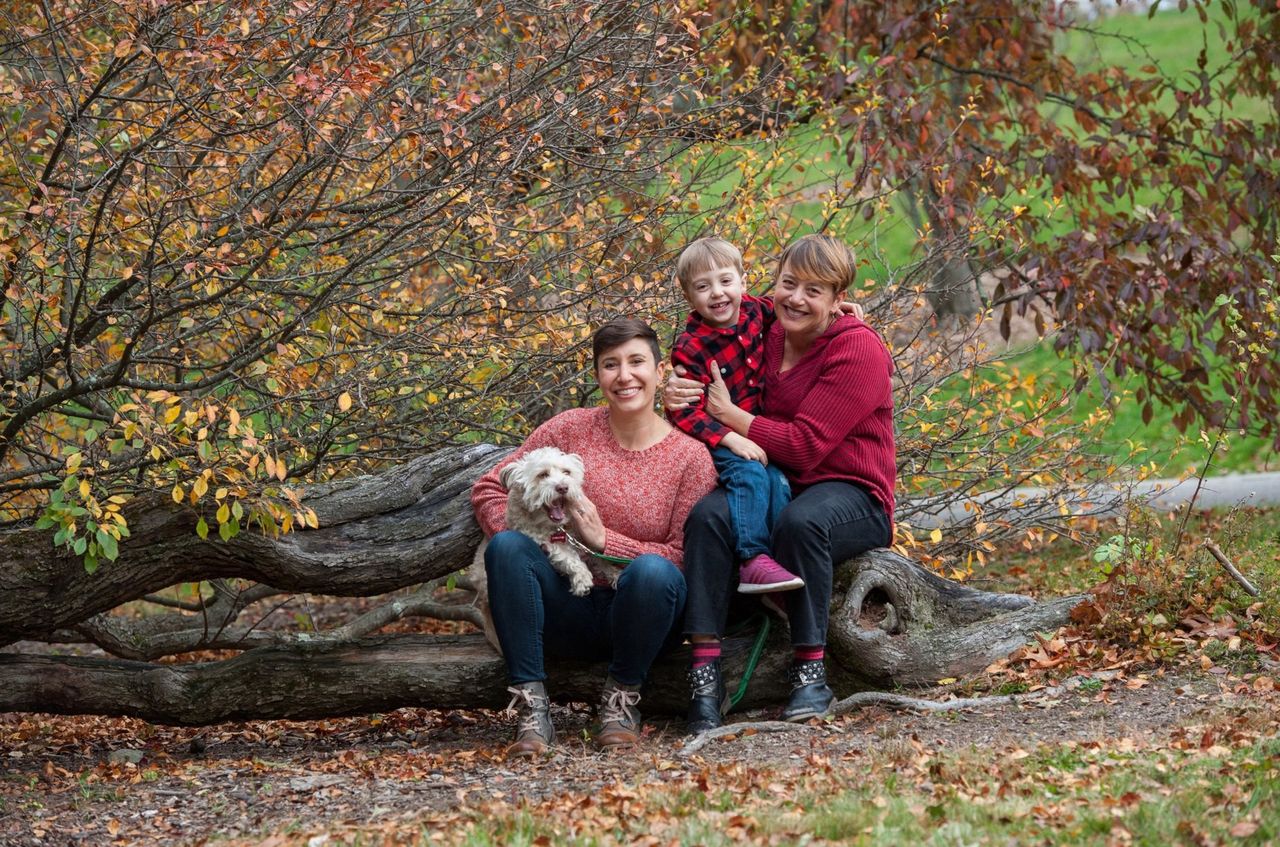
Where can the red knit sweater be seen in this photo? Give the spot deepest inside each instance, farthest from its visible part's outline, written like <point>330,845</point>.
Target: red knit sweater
<point>830,417</point>
<point>643,496</point>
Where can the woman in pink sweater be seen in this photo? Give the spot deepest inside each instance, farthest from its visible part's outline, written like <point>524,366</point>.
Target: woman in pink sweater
<point>642,478</point>
<point>827,422</point>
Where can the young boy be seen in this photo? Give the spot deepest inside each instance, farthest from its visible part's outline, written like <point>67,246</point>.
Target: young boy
<point>727,326</point>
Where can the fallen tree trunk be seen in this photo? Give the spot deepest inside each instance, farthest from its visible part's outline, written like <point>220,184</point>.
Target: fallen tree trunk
<point>377,533</point>
<point>367,675</point>
<point>893,623</point>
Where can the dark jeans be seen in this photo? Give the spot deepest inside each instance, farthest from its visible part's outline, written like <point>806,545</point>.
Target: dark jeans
<point>535,615</point>
<point>825,523</point>
<point>756,494</point>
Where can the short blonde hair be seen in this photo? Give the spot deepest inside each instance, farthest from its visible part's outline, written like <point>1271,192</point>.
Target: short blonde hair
<point>706,254</point>
<point>820,258</point>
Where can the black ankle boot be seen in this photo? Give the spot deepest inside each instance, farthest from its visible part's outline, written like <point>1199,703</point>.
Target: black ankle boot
<point>811,697</point>
<point>707,700</point>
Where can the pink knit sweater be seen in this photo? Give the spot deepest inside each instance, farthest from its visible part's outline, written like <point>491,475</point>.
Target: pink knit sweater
<point>830,417</point>
<point>643,496</point>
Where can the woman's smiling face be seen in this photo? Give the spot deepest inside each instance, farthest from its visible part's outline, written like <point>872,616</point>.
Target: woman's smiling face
<point>804,307</point>
<point>629,376</point>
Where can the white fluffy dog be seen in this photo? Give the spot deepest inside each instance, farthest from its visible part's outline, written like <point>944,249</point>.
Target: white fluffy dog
<point>541,485</point>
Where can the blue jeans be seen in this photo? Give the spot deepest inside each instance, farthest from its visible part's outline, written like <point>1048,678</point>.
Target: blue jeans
<point>535,615</point>
<point>757,494</point>
<point>827,523</point>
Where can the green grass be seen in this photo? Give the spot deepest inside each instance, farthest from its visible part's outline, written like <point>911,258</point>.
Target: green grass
<point>1062,795</point>
<point>1130,440</point>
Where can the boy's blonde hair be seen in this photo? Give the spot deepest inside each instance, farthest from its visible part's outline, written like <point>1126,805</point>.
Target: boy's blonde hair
<point>706,254</point>
<point>820,258</point>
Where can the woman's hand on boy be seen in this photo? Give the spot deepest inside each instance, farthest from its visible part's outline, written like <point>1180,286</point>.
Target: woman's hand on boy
<point>719,403</point>
<point>680,391</point>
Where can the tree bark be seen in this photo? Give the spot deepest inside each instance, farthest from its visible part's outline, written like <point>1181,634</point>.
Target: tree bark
<point>892,624</point>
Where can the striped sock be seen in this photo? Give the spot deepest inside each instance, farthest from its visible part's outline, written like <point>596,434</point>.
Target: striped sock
<point>705,652</point>
<point>810,653</point>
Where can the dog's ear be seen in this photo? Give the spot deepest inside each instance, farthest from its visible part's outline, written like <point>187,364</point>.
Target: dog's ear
<point>508,473</point>
<point>576,461</point>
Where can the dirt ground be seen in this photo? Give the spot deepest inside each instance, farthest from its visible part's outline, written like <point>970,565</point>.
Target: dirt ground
<point>89,780</point>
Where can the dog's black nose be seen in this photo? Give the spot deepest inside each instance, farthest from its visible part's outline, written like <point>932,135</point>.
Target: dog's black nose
<point>562,489</point>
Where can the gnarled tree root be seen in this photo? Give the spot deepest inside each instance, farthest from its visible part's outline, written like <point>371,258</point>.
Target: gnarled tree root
<point>898,624</point>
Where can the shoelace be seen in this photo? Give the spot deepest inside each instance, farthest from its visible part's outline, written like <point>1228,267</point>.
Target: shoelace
<point>617,706</point>
<point>530,720</point>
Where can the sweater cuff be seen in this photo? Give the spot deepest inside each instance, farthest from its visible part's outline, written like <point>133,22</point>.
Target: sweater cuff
<point>766,433</point>
<point>619,546</point>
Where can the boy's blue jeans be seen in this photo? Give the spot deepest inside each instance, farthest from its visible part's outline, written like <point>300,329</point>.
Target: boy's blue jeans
<point>757,494</point>
<point>536,616</point>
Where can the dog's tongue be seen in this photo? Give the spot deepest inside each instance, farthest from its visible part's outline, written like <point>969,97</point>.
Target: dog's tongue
<point>555,511</point>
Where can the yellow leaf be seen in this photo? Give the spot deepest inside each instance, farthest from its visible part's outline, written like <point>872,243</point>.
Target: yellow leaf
<point>201,487</point>
<point>171,414</point>
<point>948,681</point>
<point>73,462</point>
<point>935,536</point>
<point>344,401</point>
<point>84,488</point>
<point>244,26</point>
<point>177,494</point>
<point>223,513</point>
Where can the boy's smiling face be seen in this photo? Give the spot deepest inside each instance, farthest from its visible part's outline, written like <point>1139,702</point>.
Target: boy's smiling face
<point>716,294</point>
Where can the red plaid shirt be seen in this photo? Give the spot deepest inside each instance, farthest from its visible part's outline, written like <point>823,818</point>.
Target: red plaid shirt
<point>738,350</point>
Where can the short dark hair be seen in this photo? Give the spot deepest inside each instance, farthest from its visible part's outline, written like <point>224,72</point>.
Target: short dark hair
<point>618,332</point>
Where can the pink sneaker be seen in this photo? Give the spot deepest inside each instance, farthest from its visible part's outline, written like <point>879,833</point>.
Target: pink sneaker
<point>761,575</point>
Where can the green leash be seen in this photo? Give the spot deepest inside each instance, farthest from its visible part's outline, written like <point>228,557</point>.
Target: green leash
<point>753,659</point>
<point>585,549</point>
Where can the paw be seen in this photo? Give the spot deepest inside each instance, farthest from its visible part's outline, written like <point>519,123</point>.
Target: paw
<point>580,584</point>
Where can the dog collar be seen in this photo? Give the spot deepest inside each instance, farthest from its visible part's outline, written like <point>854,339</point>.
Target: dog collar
<point>558,537</point>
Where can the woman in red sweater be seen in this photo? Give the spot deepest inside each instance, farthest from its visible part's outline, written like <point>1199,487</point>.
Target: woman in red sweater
<point>827,422</point>
<point>642,478</point>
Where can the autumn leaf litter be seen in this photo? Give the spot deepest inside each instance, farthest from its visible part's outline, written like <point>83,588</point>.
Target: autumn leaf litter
<point>94,780</point>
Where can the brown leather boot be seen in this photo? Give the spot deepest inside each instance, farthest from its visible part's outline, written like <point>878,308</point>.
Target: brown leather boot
<point>535,732</point>
<point>619,717</point>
